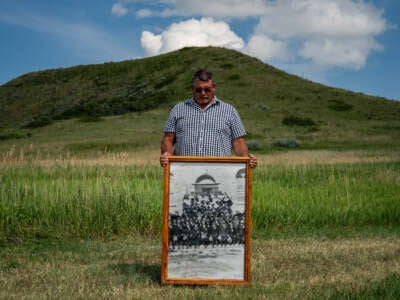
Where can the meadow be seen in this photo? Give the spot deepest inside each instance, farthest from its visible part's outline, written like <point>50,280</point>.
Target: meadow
<point>325,224</point>
<point>99,201</point>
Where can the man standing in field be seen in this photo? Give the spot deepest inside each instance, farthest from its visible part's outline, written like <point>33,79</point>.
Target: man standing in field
<point>204,125</point>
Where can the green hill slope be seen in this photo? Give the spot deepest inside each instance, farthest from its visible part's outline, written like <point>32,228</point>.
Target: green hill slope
<point>272,103</point>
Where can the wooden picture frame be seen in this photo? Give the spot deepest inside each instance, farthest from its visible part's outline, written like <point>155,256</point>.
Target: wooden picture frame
<point>206,231</point>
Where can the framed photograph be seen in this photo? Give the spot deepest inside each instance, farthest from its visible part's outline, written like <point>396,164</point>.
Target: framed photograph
<point>206,230</point>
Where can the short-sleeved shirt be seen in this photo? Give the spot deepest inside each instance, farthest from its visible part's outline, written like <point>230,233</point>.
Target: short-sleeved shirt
<point>204,132</point>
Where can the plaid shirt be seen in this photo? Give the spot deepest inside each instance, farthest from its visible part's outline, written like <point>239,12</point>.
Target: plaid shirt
<point>204,132</point>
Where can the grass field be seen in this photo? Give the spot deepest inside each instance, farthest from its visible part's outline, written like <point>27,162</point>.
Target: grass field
<point>85,201</point>
<point>326,224</point>
<point>129,268</point>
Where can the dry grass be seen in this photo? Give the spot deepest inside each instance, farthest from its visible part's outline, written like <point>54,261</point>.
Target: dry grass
<point>31,155</point>
<point>150,157</point>
<point>130,269</point>
<point>306,157</point>
<point>313,263</point>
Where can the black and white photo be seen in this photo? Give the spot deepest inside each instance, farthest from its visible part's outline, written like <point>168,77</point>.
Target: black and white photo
<point>206,222</point>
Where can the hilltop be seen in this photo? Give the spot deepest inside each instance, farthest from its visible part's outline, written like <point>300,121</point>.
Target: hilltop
<point>273,104</point>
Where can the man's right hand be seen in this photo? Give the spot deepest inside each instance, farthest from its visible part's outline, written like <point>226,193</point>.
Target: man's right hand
<point>164,159</point>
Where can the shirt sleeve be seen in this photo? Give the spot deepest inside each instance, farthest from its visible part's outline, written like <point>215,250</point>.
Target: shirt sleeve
<point>237,125</point>
<point>170,125</point>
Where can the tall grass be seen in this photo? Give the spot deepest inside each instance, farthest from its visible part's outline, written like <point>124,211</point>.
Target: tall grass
<point>315,196</point>
<point>80,201</point>
<point>102,201</point>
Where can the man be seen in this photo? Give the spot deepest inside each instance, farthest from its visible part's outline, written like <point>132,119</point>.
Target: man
<point>204,125</point>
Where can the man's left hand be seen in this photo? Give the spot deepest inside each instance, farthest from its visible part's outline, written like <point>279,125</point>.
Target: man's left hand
<point>253,161</point>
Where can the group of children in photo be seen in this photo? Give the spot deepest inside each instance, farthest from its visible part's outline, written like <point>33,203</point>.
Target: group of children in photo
<point>206,219</point>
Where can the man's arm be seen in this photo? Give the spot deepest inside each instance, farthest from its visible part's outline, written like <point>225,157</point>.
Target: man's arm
<point>167,143</point>
<point>167,147</point>
<point>240,148</point>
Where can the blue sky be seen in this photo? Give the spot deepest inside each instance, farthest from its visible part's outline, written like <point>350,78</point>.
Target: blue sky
<point>352,44</point>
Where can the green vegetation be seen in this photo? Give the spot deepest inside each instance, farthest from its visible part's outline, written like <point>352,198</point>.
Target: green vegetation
<point>79,201</point>
<point>285,143</point>
<point>94,201</point>
<point>340,105</point>
<point>272,103</point>
<point>296,120</point>
<point>318,196</point>
<point>10,135</point>
<point>254,145</point>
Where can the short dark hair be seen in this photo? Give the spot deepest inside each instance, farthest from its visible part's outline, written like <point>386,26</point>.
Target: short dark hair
<point>202,75</point>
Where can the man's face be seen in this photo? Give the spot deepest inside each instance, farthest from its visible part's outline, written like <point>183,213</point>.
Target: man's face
<point>203,92</point>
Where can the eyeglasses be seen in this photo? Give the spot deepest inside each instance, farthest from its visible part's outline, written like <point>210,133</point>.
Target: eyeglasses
<point>206,90</point>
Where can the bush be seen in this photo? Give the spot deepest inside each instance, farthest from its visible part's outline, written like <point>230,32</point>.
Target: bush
<point>13,135</point>
<point>292,120</point>
<point>262,107</point>
<point>254,145</point>
<point>90,119</point>
<point>40,122</point>
<point>234,77</point>
<point>285,143</point>
<point>339,105</point>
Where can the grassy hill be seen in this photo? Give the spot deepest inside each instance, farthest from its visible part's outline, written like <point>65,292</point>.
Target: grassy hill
<point>56,110</point>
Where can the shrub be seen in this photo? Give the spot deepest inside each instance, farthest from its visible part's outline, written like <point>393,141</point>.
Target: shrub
<point>13,135</point>
<point>340,105</point>
<point>227,66</point>
<point>254,145</point>
<point>234,77</point>
<point>89,119</point>
<point>285,143</point>
<point>293,120</point>
<point>249,135</point>
<point>262,107</point>
<point>40,122</point>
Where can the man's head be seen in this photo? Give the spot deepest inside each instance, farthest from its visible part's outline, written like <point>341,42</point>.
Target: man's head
<point>203,87</point>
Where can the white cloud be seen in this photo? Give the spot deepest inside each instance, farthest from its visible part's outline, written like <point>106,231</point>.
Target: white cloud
<point>305,18</point>
<point>119,10</point>
<point>340,33</point>
<point>203,32</point>
<point>266,49</point>
<point>210,8</point>
<point>144,13</point>
<point>151,43</point>
<point>344,53</point>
